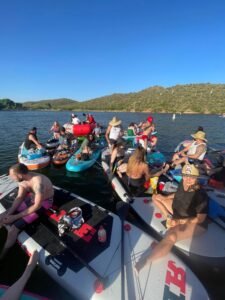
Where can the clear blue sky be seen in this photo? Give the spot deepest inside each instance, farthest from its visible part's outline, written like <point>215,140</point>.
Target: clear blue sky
<point>83,49</point>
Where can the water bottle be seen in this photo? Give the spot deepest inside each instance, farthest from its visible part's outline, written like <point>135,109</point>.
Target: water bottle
<point>102,235</point>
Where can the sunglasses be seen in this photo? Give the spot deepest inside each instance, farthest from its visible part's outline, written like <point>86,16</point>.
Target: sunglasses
<point>190,176</point>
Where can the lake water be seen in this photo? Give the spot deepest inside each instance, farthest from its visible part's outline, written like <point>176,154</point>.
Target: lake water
<point>92,184</point>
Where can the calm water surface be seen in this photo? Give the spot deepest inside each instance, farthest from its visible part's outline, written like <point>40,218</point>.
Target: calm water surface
<point>92,184</point>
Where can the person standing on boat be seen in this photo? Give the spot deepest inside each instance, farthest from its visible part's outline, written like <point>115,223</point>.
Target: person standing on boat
<point>56,129</point>
<point>31,141</point>
<point>185,211</point>
<point>194,152</point>
<point>114,131</point>
<point>147,138</point>
<point>89,118</point>
<point>75,120</point>
<point>35,194</point>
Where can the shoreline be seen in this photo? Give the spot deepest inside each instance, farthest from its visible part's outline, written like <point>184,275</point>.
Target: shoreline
<point>116,111</point>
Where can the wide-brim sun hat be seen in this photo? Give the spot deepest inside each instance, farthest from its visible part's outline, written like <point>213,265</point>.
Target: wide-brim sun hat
<point>190,170</point>
<point>115,121</point>
<point>199,135</point>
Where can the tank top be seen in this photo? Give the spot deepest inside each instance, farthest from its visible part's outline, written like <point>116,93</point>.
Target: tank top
<point>114,133</point>
<point>193,149</point>
<point>28,143</point>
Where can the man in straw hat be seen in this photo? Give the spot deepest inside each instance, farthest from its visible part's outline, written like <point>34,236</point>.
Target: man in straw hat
<point>185,213</point>
<point>194,151</point>
<point>114,131</point>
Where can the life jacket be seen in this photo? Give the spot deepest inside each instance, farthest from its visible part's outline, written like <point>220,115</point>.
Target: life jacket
<point>141,139</point>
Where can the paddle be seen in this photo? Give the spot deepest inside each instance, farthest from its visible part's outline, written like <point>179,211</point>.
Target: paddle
<point>122,209</point>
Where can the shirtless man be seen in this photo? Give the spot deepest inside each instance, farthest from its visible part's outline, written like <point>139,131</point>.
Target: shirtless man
<point>35,193</point>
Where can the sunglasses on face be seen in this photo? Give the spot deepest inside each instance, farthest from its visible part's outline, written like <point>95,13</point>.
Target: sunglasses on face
<point>189,176</point>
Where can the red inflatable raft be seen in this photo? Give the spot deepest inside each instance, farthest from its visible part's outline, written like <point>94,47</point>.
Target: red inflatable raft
<point>80,129</point>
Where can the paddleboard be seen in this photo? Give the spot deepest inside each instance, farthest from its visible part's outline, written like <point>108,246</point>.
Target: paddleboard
<point>167,278</point>
<point>210,245</point>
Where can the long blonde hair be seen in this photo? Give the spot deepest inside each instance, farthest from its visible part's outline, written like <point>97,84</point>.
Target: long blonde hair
<point>137,158</point>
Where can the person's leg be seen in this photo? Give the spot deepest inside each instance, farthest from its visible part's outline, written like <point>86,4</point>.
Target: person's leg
<point>11,239</point>
<point>14,292</point>
<point>175,234</point>
<point>163,203</point>
<point>161,249</point>
<point>179,161</point>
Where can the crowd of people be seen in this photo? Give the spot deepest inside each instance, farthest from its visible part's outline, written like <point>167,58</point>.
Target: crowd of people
<point>185,210</point>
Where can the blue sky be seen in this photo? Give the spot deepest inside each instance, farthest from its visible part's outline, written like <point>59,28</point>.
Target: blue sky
<point>82,49</point>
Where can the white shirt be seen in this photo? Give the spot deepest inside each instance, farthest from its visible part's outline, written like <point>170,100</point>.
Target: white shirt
<point>75,120</point>
<point>192,150</point>
<point>114,133</point>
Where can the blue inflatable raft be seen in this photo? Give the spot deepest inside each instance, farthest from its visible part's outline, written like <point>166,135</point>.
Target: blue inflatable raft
<point>76,165</point>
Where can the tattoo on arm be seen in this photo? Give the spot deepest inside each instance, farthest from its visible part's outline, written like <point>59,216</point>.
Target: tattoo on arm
<point>39,188</point>
<point>200,150</point>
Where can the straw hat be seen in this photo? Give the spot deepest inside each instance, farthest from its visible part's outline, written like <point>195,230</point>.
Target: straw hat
<point>199,135</point>
<point>190,170</point>
<point>115,121</point>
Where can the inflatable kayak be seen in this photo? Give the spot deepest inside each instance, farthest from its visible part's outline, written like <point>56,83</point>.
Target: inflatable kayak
<point>210,246</point>
<point>61,157</point>
<point>76,165</point>
<point>79,129</point>
<point>34,160</point>
<point>90,269</point>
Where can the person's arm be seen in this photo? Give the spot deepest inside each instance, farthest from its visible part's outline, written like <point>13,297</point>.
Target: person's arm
<point>146,172</point>
<point>182,152</point>
<point>38,198</point>
<point>31,138</point>
<point>18,200</point>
